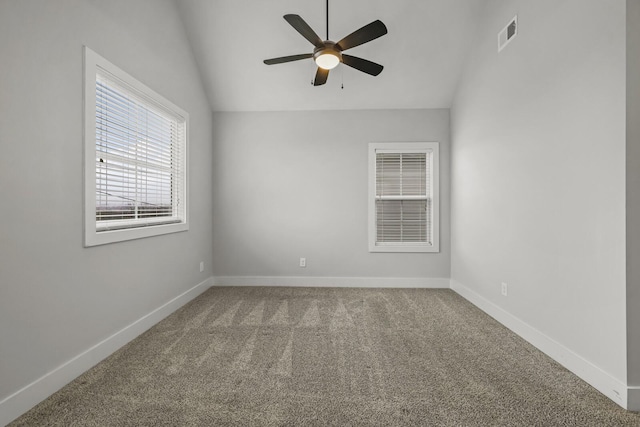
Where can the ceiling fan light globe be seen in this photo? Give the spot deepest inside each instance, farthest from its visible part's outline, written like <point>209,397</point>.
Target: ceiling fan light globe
<point>327,61</point>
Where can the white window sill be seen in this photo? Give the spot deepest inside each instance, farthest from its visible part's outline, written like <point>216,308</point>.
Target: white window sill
<point>403,248</point>
<point>95,238</point>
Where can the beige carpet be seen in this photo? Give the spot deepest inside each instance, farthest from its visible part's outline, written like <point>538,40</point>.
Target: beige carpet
<point>343,357</point>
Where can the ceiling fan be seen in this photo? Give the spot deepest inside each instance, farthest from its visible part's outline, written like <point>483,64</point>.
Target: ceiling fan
<point>327,54</point>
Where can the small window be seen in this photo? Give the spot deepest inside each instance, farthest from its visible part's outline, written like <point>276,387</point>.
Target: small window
<point>135,157</point>
<point>403,197</point>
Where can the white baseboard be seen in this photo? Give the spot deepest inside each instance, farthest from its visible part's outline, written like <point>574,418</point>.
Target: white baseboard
<point>27,397</point>
<point>611,387</point>
<point>333,282</point>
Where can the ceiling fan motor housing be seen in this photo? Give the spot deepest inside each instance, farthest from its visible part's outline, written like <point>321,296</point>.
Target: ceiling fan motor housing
<point>327,62</point>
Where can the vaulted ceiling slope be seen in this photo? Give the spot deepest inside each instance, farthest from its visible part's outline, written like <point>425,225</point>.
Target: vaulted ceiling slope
<point>423,53</point>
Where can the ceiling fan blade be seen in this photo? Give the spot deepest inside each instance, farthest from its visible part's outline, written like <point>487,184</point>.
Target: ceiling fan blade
<point>303,28</point>
<point>365,34</point>
<point>321,77</point>
<point>283,59</point>
<point>362,64</point>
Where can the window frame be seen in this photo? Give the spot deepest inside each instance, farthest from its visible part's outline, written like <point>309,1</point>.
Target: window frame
<point>92,236</point>
<point>405,147</point>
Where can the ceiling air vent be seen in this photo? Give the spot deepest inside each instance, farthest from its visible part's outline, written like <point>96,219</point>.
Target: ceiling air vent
<point>508,33</point>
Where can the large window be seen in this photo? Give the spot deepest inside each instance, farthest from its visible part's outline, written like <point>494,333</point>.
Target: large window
<point>403,197</point>
<point>135,157</point>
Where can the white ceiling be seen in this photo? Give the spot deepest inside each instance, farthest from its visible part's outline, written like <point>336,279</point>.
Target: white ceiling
<point>423,52</point>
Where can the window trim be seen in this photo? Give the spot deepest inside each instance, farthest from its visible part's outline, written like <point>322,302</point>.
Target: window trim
<point>93,237</point>
<point>405,147</point>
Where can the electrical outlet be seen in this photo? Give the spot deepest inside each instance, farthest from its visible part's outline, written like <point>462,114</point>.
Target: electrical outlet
<point>303,262</point>
<point>201,266</point>
<point>505,289</point>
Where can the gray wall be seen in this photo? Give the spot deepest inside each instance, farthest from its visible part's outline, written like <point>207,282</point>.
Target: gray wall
<point>538,178</point>
<point>57,298</point>
<point>294,184</point>
<point>633,193</point>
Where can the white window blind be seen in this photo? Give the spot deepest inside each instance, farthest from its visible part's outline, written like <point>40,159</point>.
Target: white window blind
<point>139,159</point>
<point>403,207</point>
<point>403,197</point>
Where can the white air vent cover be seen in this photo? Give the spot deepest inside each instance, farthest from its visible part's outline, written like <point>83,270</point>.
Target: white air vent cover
<point>508,33</point>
